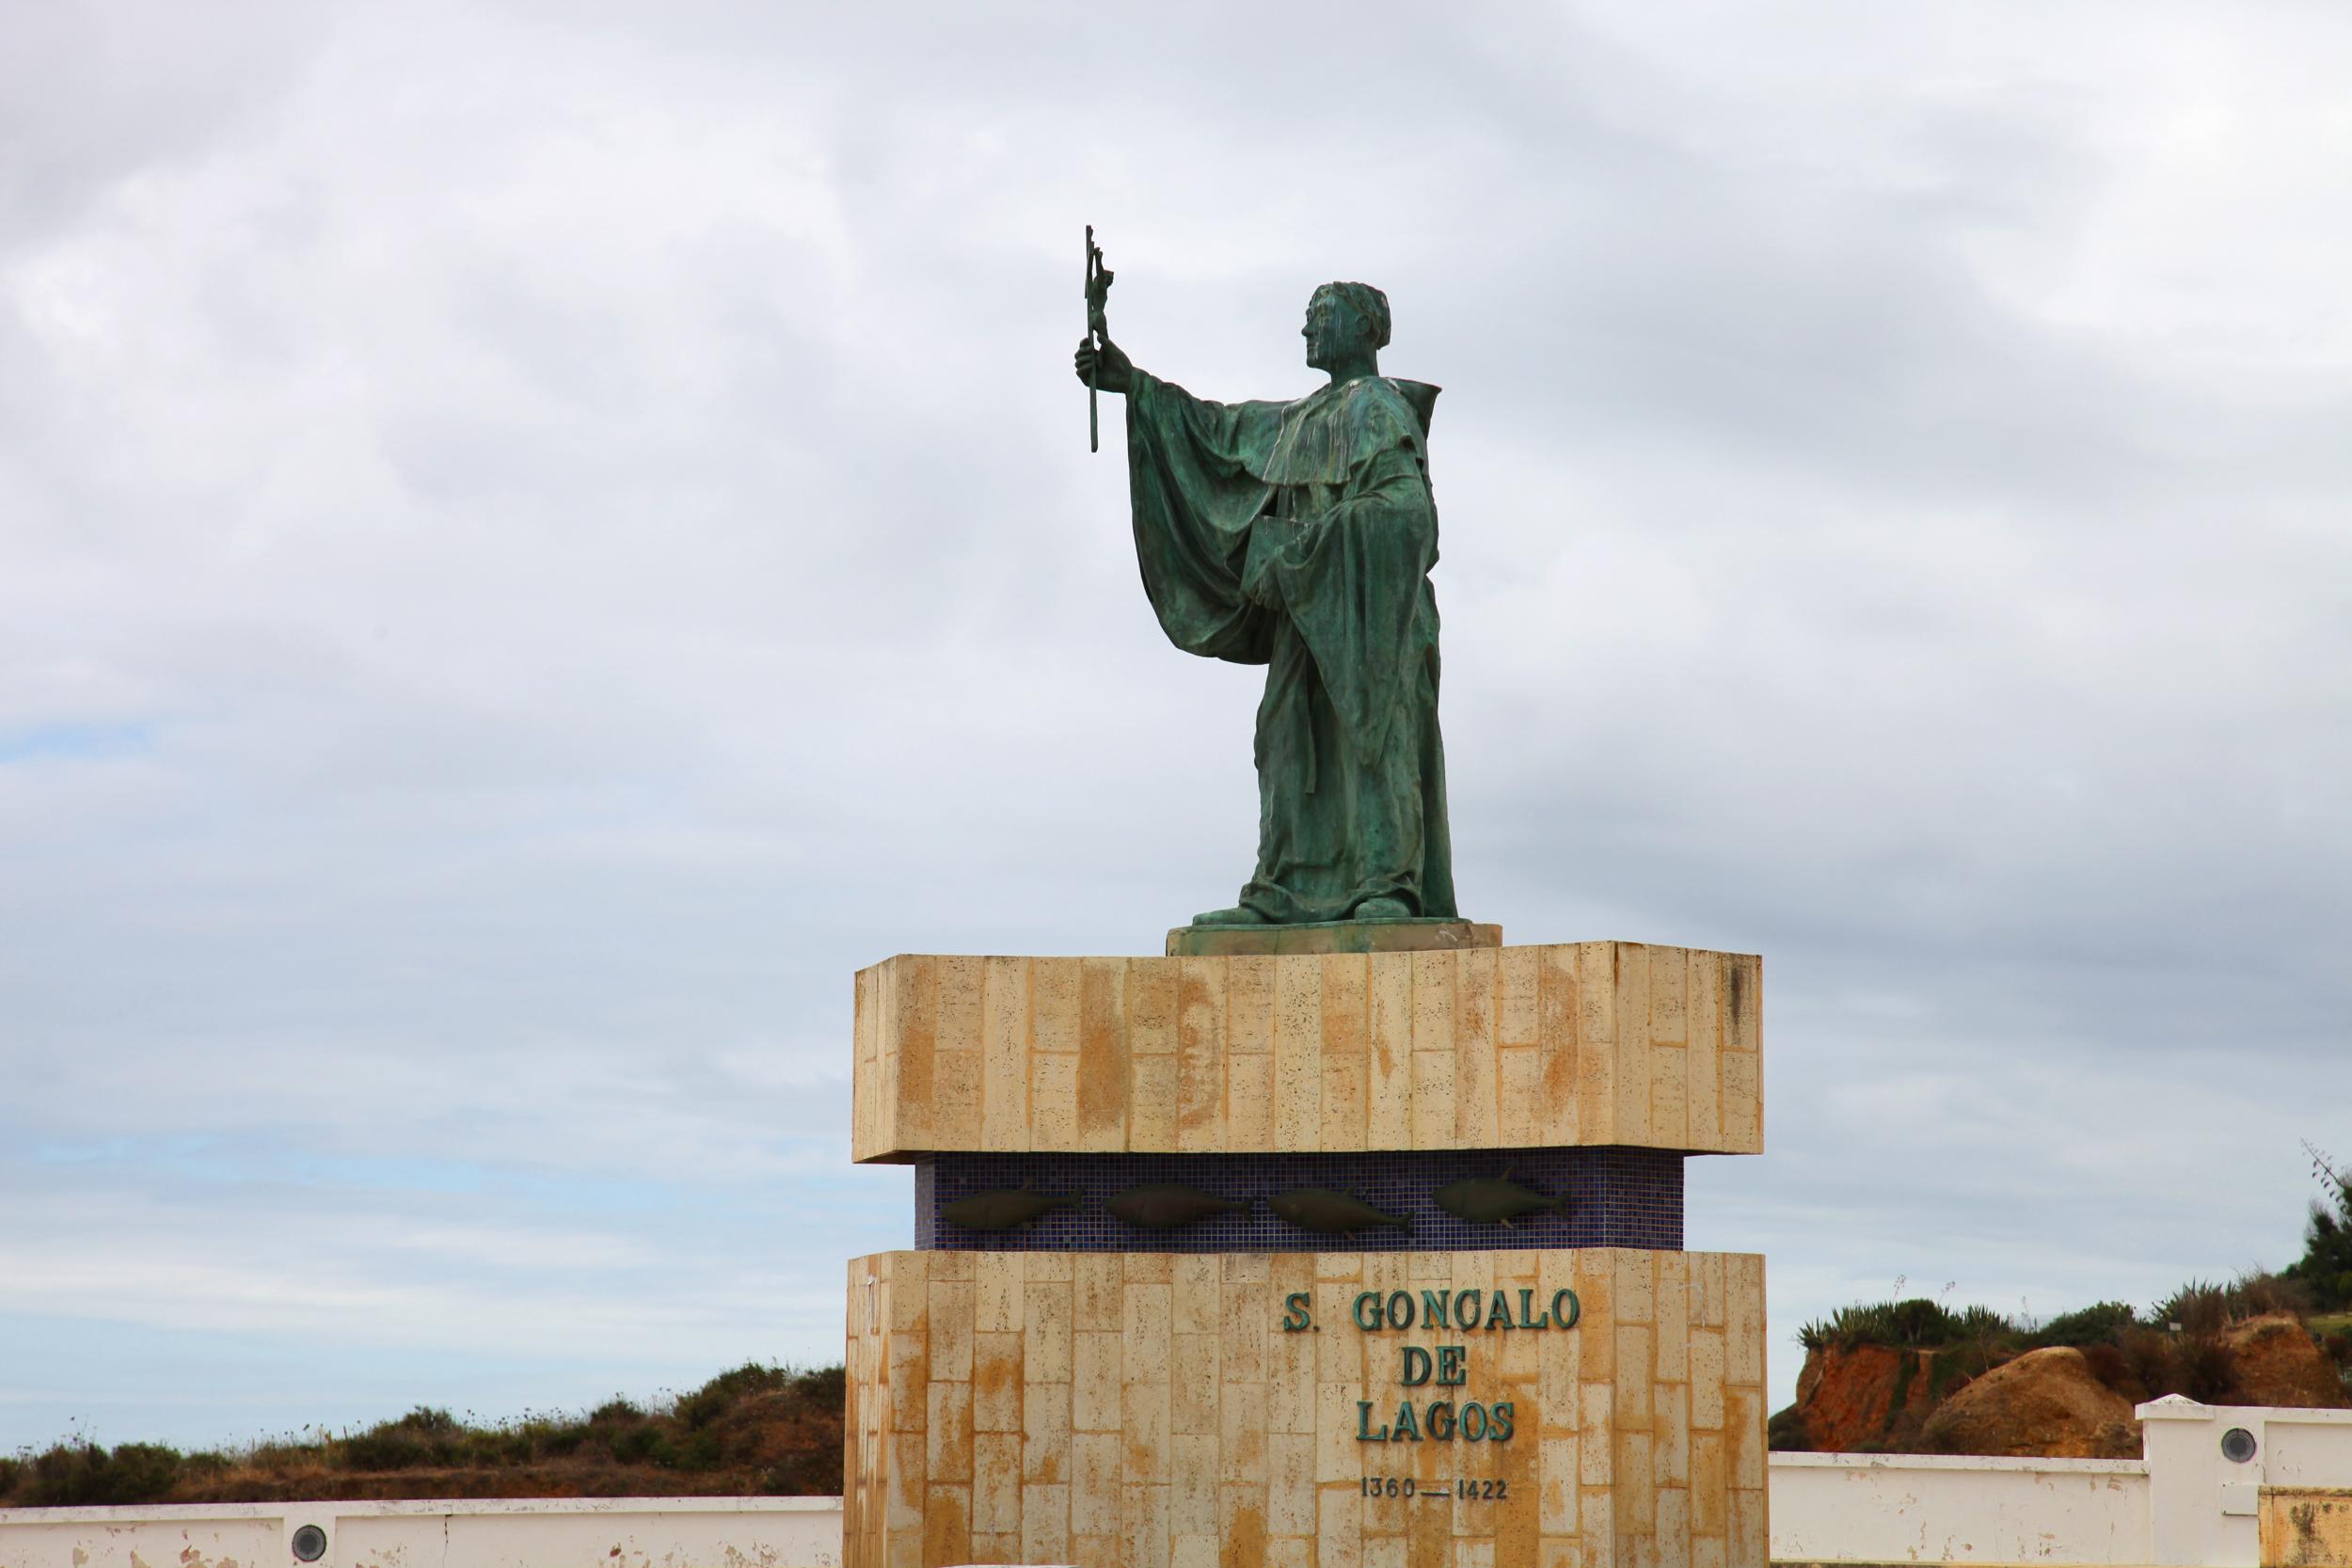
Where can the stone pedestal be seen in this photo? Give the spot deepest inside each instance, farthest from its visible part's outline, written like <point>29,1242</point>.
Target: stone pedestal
<point>1571,1387</point>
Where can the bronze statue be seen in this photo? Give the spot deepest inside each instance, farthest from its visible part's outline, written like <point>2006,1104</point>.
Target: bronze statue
<point>1494,1200</point>
<point>1333,1213</point>
<point>1003,1209</point>
<point>1299,535</point>
<point>1169,1206</point>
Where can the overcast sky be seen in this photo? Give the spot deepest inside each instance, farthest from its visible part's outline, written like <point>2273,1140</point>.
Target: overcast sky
<point>536,539</point>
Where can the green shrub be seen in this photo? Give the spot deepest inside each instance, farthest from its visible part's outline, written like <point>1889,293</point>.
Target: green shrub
<point>82,1475</point>
<point>1961,1363</point>
<point>722,1393</point>
<point>824,1385</point>
<point>635,1445</point>
<point>815,1473</point>
<point>480,1450</point>
<point>1785,1433</point>
<point>426,1436</point>
<point>2109,1364</point>
<point>2086,1326</point>
<point>1982,1322</point>
<point>145,1472</point>
<point>2194,1364</point>
<point>2196,1307</point>
<point>389,1447</point>
<point>1914,1324</point>
<point>2326,1266</point>
<point>2201,1307</point>
<point>699,1452</point>
<point>2208,1369</point>
<point>2148,1356</point>
<point>2253,1293</point>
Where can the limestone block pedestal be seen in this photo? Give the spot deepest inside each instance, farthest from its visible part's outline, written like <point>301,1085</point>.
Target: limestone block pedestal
<point>1570,1389</point>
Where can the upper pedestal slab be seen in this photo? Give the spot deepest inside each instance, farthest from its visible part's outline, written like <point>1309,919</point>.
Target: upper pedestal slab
<point>1586,1043</point>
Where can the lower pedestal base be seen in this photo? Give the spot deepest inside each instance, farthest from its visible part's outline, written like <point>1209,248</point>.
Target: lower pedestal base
<point>1513,1409</point>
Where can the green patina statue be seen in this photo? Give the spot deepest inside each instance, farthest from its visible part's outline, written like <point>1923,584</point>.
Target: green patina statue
<point>1299,536</point>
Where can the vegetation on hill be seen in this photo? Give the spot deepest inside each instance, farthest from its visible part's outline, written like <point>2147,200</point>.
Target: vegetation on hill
<point>757,1430</point>
<point>2176,1348</point>
<point>2325,1269</point>
<point>1876,1373</point>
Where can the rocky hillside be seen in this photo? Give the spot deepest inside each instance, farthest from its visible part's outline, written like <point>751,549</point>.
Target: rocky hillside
<point>1909,1377</point>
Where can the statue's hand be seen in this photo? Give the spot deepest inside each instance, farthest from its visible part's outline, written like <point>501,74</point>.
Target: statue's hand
<point>1111,371</point>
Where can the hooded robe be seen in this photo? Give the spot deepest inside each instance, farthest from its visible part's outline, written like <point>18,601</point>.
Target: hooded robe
<point>1300,536</point>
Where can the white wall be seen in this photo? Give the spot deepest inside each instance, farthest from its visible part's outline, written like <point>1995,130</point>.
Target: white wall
<point>2183,1501</point>
<point>2207,1512</point>
<point>1927,1507</point>
<point>560,1533</point>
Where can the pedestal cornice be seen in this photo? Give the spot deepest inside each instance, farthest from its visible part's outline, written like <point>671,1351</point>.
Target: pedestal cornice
<point>1573,1044</point>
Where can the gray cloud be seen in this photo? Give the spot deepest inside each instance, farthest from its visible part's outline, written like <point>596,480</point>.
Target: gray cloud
<point>533,540</point>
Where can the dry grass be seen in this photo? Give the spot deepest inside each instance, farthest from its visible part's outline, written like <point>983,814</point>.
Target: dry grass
<point>757,1430</point>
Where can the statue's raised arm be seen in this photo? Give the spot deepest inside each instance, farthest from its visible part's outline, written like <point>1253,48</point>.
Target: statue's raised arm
<point>1108,368</point>
<point>1300,536</point>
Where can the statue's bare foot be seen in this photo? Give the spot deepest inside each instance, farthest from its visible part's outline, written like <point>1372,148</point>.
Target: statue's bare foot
<point>1241,915</point>
<point>1383,908</point>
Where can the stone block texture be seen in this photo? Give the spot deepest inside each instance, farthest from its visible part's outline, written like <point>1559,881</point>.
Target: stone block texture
<point>1576,1044</point>
<point>2304,1526</point>
<point>1147,1410</point>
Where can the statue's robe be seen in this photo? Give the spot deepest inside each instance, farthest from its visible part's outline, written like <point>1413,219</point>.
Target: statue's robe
<point>1300,536</point>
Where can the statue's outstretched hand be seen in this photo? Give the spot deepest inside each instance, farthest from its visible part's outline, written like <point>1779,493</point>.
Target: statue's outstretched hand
<point>1111,371</point>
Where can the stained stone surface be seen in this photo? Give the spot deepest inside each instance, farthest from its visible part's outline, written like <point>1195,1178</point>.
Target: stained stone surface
<point>1572,1045</point>
<point>1148,1410</point>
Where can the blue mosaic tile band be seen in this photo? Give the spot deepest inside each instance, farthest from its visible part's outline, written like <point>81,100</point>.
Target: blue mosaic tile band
<point>1622,1197</point>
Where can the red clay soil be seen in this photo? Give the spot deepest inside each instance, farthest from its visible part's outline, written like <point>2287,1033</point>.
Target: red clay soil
<point>1850,1398</point>
<point>2044,1403</point>
<point>2280,1363</point>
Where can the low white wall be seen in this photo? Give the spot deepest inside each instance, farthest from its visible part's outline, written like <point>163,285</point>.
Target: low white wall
<point>2183,1502</point>
<point>1928,1508</point>
<point>554,1532</point>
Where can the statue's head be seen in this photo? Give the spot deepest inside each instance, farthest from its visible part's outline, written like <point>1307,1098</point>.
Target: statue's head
<point>1345,321</point>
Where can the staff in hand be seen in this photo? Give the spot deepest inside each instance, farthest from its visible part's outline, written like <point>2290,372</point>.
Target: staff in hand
<point>1100,364</point>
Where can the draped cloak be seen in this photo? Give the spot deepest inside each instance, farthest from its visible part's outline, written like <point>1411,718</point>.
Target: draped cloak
<point>1300,536</point>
